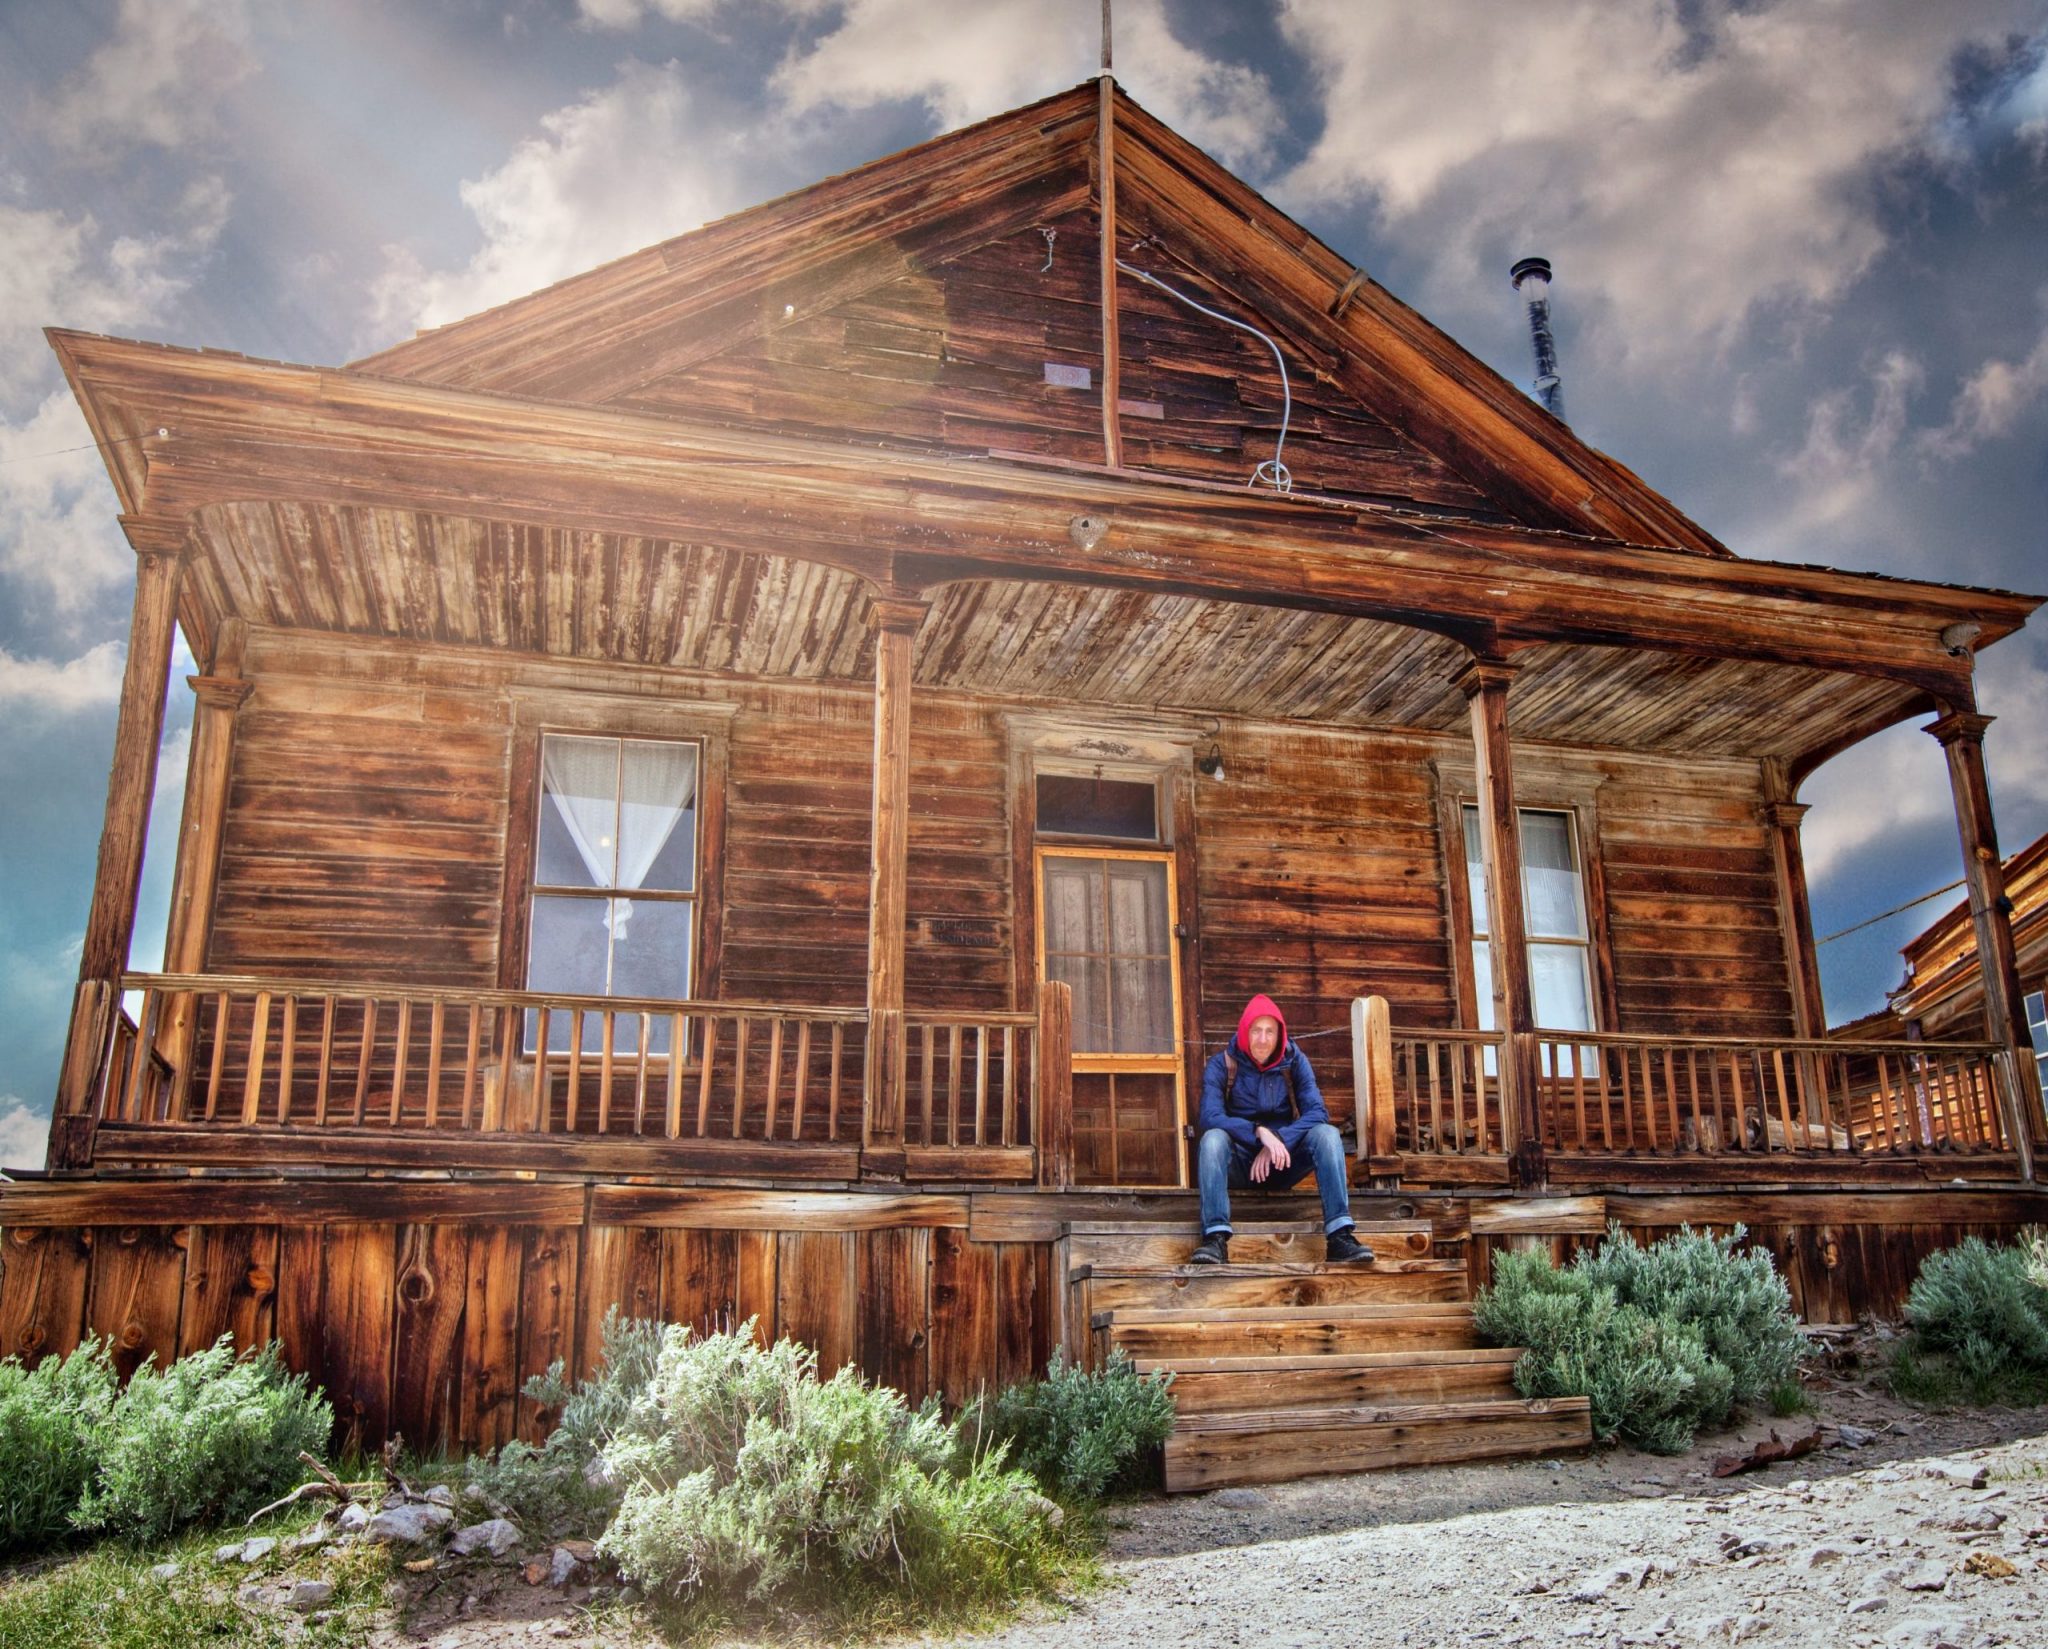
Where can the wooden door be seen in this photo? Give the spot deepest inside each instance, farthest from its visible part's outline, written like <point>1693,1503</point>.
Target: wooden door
<point>1106,928</point>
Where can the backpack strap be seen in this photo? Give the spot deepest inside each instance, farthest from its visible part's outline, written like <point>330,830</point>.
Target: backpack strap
<point>1230,1077</point>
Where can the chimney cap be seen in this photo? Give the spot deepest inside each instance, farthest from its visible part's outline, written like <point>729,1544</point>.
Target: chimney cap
<point>1526,267</point>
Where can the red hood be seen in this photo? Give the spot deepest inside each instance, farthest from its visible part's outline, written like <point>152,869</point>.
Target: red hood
<point>1261,1007</point>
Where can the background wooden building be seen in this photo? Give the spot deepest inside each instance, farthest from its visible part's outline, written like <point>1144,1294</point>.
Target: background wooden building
<point>747,782</point>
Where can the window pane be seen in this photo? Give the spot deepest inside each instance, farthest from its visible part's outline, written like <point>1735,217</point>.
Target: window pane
<point>570,947</point>
<point>650,948</point>
<point>658,816</point>
<point>1557,983</point>
<point>2037,1020</point>
<point>1089,976</point>
<point>1482,983</point>
<point>1475,871</point>
<point>1126,809</point>
<point>1137,907</point>
<point>1550,873</point>
<point>1141,1006</point>
<point>575,845</point>
<point>1073,907</point>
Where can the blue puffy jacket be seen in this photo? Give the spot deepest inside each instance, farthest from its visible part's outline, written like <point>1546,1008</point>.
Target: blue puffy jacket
<point>1258,1099</point>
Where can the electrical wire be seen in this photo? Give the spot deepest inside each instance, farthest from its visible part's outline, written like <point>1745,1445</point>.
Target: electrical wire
<point>89,446</point>
<point>1273,472</point>
<point>1843,933</point>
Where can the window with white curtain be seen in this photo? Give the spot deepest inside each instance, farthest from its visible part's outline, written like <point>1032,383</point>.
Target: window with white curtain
<point>2037,1027</point>
<point>1554,912</point>
<point>614,878</point>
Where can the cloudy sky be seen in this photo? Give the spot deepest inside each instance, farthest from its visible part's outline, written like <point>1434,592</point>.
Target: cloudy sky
<point>1799,251</point>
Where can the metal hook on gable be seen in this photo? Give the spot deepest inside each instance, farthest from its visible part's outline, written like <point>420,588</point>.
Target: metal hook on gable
<point>1050,235</point>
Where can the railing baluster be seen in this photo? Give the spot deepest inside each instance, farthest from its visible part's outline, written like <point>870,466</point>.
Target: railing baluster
<point>543,1079</point>
<point>1436,1097</point>
<point>953,1084</point>
<point>1628,1101</point>
<point>832,1087</point>
<point>678,1034</point>
<point>929,1034</point>
<point>1784,1101</point>
<point>400,1057</point>
<point>129,1105</point>
<point>1479,1097</point>
<point>704,1075</point>
<point>1454,1057</point>
<point>774,1075</point>
<point>287,1056</point>
<point>640,1081</point>
<point>803,1079</point>
<point>609,1022</point>
<point>1009,1091</point>
<point>259,1035</point>
<point>1886,1104</point>
<point>572,1099</point>
<point>325,1076</point>
<point>222,1021</point>
<point>471,1052</point>
<point>739,1070</point>
<point>981,1085</point>
<point>365,1057</point>
<point>437,1026</point>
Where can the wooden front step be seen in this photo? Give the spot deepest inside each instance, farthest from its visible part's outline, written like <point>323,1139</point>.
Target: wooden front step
<point>1224,1385</point>
<point>1201,1288</point>
<point>1128,1243</point>
<point>1286,1331</point>
<point>1212,1451</point>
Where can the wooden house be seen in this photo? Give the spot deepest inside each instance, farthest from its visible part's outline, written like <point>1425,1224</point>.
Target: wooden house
<point>746,783</point>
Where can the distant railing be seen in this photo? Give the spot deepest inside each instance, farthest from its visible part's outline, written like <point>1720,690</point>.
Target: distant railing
<point>305,1054</point>
<point>1446,1099</point>
<point>971,1079</point>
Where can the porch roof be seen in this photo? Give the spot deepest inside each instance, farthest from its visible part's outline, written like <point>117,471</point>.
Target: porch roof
<point>340,501</point>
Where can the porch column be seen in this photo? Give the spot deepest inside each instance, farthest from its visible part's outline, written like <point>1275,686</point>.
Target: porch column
<point>1795,910</point>
<point>1484,682</point>
<point>219,696</point>
<point>895,620</point>
<point>131,783</point>
<point>1961,735</point>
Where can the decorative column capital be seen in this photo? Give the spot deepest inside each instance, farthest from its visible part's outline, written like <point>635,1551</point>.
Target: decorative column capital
<point>220,692</point>
<point>1959,727</point>
<point>1481,673</point>
<point>896,615</point>
<point>156,535</point>
<point>1786,815</point>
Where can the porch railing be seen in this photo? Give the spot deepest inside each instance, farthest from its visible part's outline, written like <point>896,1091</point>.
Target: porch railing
<point>1438,1102</point>
<point>972,1080</point>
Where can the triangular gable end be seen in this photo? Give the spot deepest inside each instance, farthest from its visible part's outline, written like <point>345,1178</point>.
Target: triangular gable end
<point>907,301</point>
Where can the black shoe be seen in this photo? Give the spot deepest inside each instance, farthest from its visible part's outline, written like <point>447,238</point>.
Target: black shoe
<point>1342,1248</point>
<point>1213,1249</point>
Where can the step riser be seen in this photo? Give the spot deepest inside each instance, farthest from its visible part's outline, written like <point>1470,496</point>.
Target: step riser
<point>1282,1248</point>
<point>1201,1393</point>
<point>1211,1290</point>
<point>1195,1461</point>
<point>1161,1342</point>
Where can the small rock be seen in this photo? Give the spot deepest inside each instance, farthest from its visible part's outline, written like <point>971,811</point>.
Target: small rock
<point>1989,1563</point>
<point>1050,1509</point>
<point>310,1540</point>
<point>165,1571</point>
<point>497,1537</point>
<point>353,1517</point>
<point>251,1593</point>
<point>228,1554</point>
<point>1854,1437</point>
<point>536,1569</point>
<point>309,1595</point>
<point>1984,1520</point>
<point>1748,1626</point>
<point>1663,1626</point>
<point>1960,1474</point>
<point>1866,1606</point>
<point>1238,1499</point>
<point>257,1547</point>
<point>1821,1556</point>
<point>1737,1546</point>
<point>413,1524</point>
<point>565,1566</point>
<point>1925,1577</point>
<point>441,1495</point>
<point>1591,1588</point>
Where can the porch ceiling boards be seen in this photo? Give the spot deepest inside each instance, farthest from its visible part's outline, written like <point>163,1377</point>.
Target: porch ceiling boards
<point>602,596</point>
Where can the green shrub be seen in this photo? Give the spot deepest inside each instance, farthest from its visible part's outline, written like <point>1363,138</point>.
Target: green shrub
<point>561,1487</point>
<point>209,1439</point>
<point>52,1428</point>
<point>1979,1327</point>
<point>1081,1434</point>
<point>748,1479</point>
<point>1664,1342</point>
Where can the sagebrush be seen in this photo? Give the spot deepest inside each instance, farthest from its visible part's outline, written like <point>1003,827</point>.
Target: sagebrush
<point>1665,1341</point>
<point>53,1420</point>
<point>1978,1320</point>
<point>1082,1434</point>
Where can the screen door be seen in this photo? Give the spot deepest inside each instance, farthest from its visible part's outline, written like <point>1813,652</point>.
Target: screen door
<point>1106,929</point>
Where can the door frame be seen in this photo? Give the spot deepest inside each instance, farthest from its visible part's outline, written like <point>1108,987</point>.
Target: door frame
<point>1173,1063</point>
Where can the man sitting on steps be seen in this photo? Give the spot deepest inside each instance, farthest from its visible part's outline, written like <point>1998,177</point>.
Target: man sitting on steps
<point>1263,1123</point>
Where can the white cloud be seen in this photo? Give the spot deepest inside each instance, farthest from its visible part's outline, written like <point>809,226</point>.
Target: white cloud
<point>628,14</point>
<point>630,165</point>
<point>88,682</point>
<point>158,78</point>
<point>1843,468</point>
<point>1682,180</point>
<point>965,63</point>
<point>1993,399</point>
<point>58,539</point>
<point>24,1133</point>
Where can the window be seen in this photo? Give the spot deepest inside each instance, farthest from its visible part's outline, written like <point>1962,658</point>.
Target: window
<point>1554,910</point>
<point>1122,809</point>
<point>2037,1028</point>
<point>614,878</point>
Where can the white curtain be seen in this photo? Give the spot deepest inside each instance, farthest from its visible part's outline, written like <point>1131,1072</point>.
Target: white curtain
<point>582,777</point>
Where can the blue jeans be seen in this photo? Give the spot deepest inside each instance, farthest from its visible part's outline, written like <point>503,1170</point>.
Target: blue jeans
<point>1225,1166</point>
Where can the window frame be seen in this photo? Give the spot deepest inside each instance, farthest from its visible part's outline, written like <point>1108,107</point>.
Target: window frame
<point>2034,1004</point>
<point>601,716</point>
<point>1458,790</point>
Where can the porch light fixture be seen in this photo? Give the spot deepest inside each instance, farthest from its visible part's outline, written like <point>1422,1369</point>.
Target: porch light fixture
<point>1210,763</point>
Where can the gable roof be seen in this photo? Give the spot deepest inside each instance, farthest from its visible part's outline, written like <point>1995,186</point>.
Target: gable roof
<point>732,289</point>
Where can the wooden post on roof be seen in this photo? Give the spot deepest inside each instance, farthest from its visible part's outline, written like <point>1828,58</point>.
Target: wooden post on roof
<point>131,784</point>
<point>1961,734</point>
<point>895,620</point>
<point>1485,682</point>
<point>1795,910</point>
<point>1112,343</point>
<point>218,697</point>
